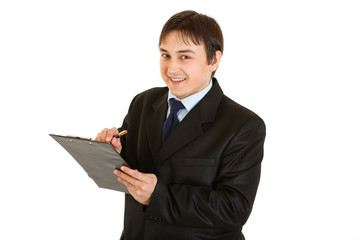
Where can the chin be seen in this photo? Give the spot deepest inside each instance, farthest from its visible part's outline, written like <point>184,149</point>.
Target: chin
<point>178,94</point>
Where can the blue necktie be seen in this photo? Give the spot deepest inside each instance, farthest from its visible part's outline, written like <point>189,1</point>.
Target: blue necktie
<point>172,120</point>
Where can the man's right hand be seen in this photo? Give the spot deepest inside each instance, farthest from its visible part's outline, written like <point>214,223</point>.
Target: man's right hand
<point>108,135</point>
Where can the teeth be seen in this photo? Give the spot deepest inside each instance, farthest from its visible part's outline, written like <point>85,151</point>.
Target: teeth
<point>177,79</point>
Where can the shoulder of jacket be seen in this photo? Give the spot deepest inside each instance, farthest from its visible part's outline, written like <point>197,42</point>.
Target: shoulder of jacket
<point>238,117</point>
<point>237,110</point>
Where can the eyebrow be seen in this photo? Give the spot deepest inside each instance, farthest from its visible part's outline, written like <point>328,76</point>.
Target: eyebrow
<point>180,51</point>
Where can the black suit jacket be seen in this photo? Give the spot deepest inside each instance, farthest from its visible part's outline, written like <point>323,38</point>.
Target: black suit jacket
<point>208,170</point>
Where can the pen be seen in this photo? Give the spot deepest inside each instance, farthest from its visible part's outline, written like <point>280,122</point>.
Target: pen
<point>123,132</point>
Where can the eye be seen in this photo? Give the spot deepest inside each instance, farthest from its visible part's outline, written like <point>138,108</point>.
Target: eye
<point>164,55</point>
<point>185,57</point>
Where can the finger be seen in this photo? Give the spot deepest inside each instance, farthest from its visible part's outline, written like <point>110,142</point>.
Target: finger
<point>103,135</point>
<point>110,134</point>
<point>134,173</point>
<point>115,142</point>
<point>114,130</point>
<point>125,177</point>
<point>106,135</point>
<point>117,172</point>
<point>131,188</point>
<point>137,190</point>
<point>122,180</point>
<point>128,179</point>
<point>99,136</point>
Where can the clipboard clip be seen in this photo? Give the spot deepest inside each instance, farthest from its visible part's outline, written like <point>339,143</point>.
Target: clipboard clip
<point>77,137</point>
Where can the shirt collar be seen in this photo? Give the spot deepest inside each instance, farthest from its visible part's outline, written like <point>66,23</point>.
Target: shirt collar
<point>190,101</point>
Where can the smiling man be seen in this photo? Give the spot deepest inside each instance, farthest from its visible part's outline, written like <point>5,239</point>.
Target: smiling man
<point>195,154</point>
<point>184,66</point>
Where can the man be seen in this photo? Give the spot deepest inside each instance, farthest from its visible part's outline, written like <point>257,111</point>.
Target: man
<point>197,179</point>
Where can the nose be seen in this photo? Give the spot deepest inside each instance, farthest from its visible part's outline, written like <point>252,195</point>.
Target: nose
<point>173,67</point>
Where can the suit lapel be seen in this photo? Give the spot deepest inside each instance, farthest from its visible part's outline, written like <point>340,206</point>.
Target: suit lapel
<point>187,130</point>
<point>190,128</point>
<point>154,124</point>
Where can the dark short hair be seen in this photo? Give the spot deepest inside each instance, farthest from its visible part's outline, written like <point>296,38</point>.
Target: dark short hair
<point>199,29</point>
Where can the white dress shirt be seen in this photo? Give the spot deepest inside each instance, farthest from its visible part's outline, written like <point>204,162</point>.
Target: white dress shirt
<point>188,102</point>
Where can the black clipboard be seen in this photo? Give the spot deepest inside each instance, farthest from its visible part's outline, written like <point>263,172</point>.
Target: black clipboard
<point>98,159</point>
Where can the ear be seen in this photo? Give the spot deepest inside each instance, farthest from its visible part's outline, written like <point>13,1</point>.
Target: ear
<point>216,61</point>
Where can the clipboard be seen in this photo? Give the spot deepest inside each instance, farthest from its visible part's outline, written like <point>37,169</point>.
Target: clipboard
<point>98,159</point>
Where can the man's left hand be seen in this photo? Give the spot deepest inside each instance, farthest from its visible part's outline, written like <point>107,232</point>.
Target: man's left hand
<point>140,185</point>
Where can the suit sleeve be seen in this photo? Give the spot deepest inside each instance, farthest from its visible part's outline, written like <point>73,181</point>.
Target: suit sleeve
<point>125,126</point>
<point>229,202</point>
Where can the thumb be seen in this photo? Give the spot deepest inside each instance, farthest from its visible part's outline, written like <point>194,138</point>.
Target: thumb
<point>115,142</point>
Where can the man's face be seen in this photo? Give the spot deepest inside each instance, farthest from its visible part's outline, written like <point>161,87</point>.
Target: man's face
<point>184,66</point>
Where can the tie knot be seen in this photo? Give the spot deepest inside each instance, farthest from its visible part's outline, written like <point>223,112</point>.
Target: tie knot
<point>175,105</point>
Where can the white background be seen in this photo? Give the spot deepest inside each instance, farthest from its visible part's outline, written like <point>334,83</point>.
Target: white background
<point>72,67</point>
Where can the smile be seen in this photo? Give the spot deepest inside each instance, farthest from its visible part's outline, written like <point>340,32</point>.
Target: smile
<point>177,79</point>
